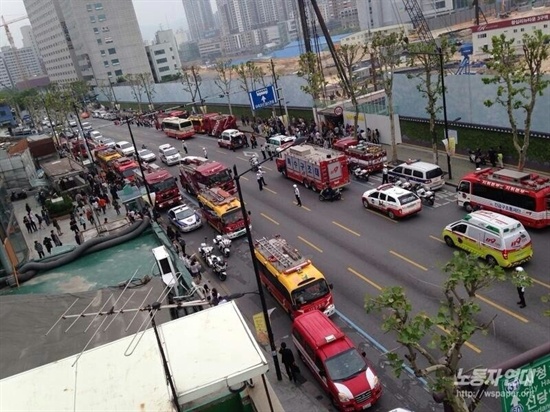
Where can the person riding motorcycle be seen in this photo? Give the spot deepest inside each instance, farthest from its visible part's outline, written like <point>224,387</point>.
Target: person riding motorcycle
<point>328,192</point>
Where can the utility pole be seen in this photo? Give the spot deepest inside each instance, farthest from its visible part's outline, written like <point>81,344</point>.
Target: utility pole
<point>198,89</point>
<point>303,22</point>
<point>279,94</point>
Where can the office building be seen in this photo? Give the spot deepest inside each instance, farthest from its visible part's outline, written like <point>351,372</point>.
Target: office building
<point>20,64</point>
<point>29,40</point>
<point>200,19</point>
<point>79,40</point>
<point>163,56</point>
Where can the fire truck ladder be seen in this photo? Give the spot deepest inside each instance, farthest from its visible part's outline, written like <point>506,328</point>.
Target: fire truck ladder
<point>216,127</point>
<point>279,251</point>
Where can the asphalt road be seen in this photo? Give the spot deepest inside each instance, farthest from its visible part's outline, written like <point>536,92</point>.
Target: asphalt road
<point>361,251</point>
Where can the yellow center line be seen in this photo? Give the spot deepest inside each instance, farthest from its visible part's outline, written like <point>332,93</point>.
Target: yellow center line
<point>436,238</point>
<point>221,151</point>
<point>507,311</point>
<point>546,285</point>
<point>306,208</point>
<point>419,266</point>
<point>360,276</point>
<point>310,244</point>
<point>269,190</point>
<point>242,177</point>
<point>268,218</point>
<point>467,344</point>
<point>267,168</point>
<point>384,216</point>
<point>345,228</point>
<point>240,158</point>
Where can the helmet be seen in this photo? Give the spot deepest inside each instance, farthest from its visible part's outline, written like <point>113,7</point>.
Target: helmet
<point>294,185</point>
<point>519,269</point>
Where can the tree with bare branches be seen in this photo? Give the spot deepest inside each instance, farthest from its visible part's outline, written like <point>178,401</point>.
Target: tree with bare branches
<point>148,86</point>
<point>191,81</point>
<point>519,81</point>
<point>350,55</point>
<point>224,71</point>
<point>136,88</point>
<point>315,81</point>
<point>387,49</point>
<point>249,75</point>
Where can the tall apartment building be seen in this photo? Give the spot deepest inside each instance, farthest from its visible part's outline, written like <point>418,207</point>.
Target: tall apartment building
<point>344,12</point>
<point>29,40</point>
<point>247,25</point>
<point>200,19</point>
<point>27,67</point>
<point>85,40</point>
<point>379,13</point>
<point>163,56</point>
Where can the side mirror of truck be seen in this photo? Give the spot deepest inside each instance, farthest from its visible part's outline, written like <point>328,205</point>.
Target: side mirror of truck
<point>331,285</point>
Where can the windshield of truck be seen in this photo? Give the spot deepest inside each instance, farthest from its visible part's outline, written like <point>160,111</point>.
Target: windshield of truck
<point>164,185</point>
<point>128,173</point>
<point>406,199</point>
<point>220,178</point>
<point>310,292</point>
<point>345,365</point>
<point>232,217</point>
<point>170,152</point>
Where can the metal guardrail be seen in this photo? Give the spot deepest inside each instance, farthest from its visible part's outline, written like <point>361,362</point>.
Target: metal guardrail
<point>540,135</point>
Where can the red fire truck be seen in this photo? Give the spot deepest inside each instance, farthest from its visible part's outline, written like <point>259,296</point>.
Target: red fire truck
<point>365,155</point>
<point>222,211</point>
<point>162,186</point>
<point>124,167</point>
<point>314,167</point>
<point>198,173</point>
<point>521,195</point>
<point>213,124</point>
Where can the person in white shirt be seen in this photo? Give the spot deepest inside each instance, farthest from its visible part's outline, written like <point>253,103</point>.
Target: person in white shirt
<point>297,195</point>
<point>260,178</point>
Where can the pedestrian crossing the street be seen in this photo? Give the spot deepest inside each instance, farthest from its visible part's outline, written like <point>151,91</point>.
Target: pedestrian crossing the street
<point>443,196</point>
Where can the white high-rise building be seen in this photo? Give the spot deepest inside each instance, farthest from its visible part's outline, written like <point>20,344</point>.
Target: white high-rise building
<point>163,56</point>
<point>21,64</point>
<point>81,40</point>
<point>29,40</point>
<point>200,19</point>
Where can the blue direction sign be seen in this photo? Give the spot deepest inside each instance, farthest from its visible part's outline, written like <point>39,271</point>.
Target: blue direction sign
<point>261,98</point>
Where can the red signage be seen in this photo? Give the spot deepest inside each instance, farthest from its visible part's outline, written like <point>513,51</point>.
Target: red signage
<point>511,22</point>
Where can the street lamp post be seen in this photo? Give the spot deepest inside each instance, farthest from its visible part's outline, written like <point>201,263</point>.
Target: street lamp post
<point>444,100</point>
<point>88,151</point>
<point>113,92</point>
<point>237,178</point>
<point>140,165</point>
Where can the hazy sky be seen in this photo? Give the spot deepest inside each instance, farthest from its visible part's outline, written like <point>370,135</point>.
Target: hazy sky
<point>151,14</point>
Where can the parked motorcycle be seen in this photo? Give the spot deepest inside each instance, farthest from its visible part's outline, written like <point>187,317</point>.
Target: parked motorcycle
<point>224,245</point>
<point>219,267</point>
<point>361,174</point>
<point>254,163</point>
<point>331,195</point>
<point>483,157</point>
<point>205,251</point>
<point>426,195</point>
<point>18,196</point>
<point>404,185</point>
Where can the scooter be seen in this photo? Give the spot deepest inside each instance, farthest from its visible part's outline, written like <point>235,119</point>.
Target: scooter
<point>335,194</point>
<point>254,163</point>
<point>224,245</point>
<point>473,155</point>
<point>219,267</point>
<point>205,251</point>
<point>404,185</point>
<point>424,194</point>
<point>361,174</point>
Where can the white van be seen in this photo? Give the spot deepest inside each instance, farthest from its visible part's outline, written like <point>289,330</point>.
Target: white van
<point>427,174</point>
<point>86,127</point>
<point>498,239</point>
<point>275,142</point>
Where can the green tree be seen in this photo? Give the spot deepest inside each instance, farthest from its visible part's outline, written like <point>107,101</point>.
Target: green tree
<point>519,81</point>
<point>438,359</point>
<point>387,49</point>
<point>350,55</point>
<point>32,101</point>
<point>315,81</point>
<point>429,79</point>
<point>191,81</point>
<point>224,78</point>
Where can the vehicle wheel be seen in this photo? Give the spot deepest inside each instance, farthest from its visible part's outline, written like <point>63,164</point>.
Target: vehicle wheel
<point>223,277</point>
<point>449,241</point>
<point>391,215</point>
<point>365,204</point>
<point>321,198</point>
<point>313,188</point>
<point>491,261</point>
<point>306,184</point>
<point>468,207</point>
<point>283,172</point>
<point>431,202</point>
<point>188,190</point>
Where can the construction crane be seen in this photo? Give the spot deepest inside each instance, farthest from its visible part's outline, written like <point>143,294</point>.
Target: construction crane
<point>20,65</point>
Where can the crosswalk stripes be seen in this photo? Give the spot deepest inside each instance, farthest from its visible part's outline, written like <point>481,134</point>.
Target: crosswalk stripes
<point>442,196</point>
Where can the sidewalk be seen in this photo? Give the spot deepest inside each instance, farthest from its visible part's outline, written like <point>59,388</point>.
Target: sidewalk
<point>68,237</point>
